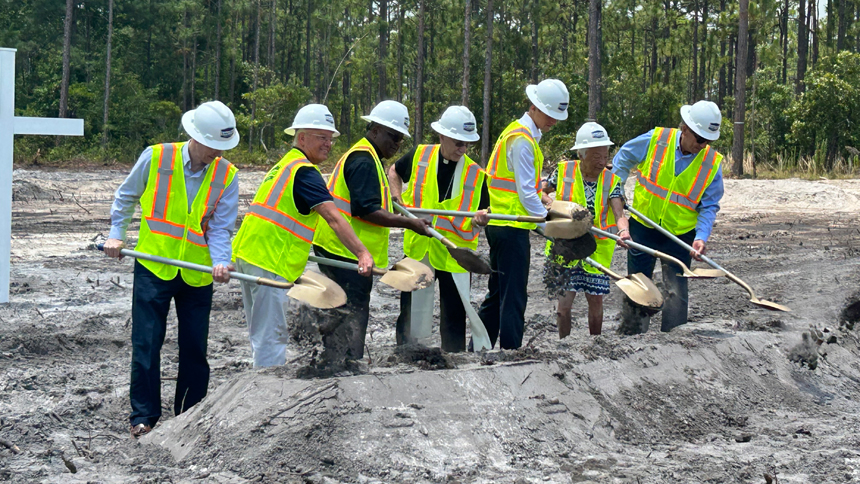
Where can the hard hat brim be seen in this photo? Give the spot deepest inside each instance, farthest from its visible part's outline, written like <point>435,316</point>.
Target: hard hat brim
<point>291,131</point>
<point>688,120</point>
<point>531,92</point>
<point>437,127</point>
<point>227,144</point>
<point>592,145</point>
<point>374,119</point>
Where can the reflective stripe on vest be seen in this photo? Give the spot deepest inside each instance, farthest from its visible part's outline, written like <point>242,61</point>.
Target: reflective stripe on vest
<point>455,224</point>
<point>661,148</point>
<point>507,184</point>
<point>269,211</point>
<point>684,200</point>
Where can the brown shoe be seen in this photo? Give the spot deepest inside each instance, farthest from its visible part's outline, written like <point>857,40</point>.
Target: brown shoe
<point>140,429</point>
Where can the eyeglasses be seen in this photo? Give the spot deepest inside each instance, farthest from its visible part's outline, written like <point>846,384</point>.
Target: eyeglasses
<point>324,139</point>
<point>699,139</point>
<point>395,136</point>
<point>461,144</point>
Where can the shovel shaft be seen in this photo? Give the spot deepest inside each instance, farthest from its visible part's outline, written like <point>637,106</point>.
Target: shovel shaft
<point>431,230</point>
<point>491,216</point>
<point>201,268</point>
<point>675,239</point>
<point>642,248</point>
<point>342,265</point>
<point>603,269</point>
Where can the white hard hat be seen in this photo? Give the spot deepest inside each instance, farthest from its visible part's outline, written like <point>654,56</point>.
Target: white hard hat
<point>703,118</point>
<point>212,125</point>
<point>457,122</point>
<point>390,114</point>
<point>551,97</point>
<point>313,116</point>
<point>591,135</point>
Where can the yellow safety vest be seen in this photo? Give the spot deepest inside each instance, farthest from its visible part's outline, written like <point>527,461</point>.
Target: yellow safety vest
<point>570,188</point>
<point>502,181</point>
<point>422,191</point>
<point>374,237</point>
<point>667,199</point>
<point>274,235</point>
<point>166,226</point>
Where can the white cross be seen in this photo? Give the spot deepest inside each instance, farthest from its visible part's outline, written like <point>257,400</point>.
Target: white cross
<point>10,125</point>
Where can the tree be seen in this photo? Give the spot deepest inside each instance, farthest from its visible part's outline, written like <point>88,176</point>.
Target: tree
<point>256,77</point>
<point>594,40</point>
<point>488,86</point>
<point>217,94</point>
<point>740,90</point>
<point>381,67</point>
<point>802,44</point>
<point>419,82</point>
<point>467,45</point>
<point>105,125</point>
<point>67,53</point>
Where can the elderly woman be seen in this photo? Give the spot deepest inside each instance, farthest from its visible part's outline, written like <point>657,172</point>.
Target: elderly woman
<point>587,182</point>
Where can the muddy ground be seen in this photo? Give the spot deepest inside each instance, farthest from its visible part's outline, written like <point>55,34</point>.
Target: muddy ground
<point>738,395</point>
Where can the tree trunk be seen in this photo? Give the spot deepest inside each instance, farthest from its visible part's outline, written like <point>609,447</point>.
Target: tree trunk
<point>107,77</point>
<point>802,46</point>
<point>694,78</point>
<point>273,22</point>
<point>740,90</point>
<point>830,21</point>
<point>67,54</point>
<point>815,33</point>
<point>419,81</point>
<point>594,39</point>
<point>704,43</point>
<point>217,95</point>
<point>488,86</point>
<point>467,46</point>
<point>840,35</point>
<point>193,69</point>
<point>535,56</point>
<point>256,75</point>
<point>308,45</point>
<point>400,52</point>
<point>783,40</point>
<point>345,114</point>
<point>381,67</point>
<point>721,89</point>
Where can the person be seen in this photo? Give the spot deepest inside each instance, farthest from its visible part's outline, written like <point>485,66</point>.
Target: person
<point>586,181</point>
<point>679,184</point>
<point>363,197</point>
<point>441,176</point>
<point>189,197</point>
<point>275,238</point>
<point>514,172</point>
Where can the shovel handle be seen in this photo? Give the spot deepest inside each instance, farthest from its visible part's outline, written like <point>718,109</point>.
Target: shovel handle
<point>491,216</point>
<point>441,238</point>
<point>675,239</point>
<point>200,268</point>
<point>615,276</point>
<point>343,265</point>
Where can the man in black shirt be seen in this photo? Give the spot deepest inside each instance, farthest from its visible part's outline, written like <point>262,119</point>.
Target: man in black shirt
<point>360,190</point>
<point>441,176</point>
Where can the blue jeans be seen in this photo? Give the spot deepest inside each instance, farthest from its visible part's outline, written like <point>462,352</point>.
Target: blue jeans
<point>149,307</point>
<point>633,319</point>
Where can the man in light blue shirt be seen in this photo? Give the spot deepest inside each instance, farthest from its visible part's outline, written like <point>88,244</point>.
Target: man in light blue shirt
<point>212,128</point>
<point>689,145</point>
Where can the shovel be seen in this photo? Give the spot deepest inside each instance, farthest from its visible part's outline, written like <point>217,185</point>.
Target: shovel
<point>692,274</point>
<point>406,276</point>
<point>567,220</point>
<point>314,289</point>
<point>467,258</point>
<point>491,216</point>
<point>637,287</point>
<point>737,280</point>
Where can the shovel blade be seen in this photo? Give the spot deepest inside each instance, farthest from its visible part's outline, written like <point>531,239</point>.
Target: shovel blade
<point>563,228</point>
<point>708,273</point>
<point>641,290</point>
<point>318,291</point>
<point>762,303</point>
<point>408,275</point>
<point>470,260</point>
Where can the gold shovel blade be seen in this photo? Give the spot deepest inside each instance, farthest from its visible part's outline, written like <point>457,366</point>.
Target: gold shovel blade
<point>318,291</point>
<point>470,260</point>
<point>564,228</point>
<point>408,275</point>
<point>703,273</point>
<point>641,290</point>
<point>762,303</point>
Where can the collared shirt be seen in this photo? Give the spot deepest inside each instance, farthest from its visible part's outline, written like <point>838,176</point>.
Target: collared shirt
<point>521,161</point>
<point>362,180</point>
<point>309,189</point>
<point>635,151</point>
<point>220,226</point>
<point>444,177</point>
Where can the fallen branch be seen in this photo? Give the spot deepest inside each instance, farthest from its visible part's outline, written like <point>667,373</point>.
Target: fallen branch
<point>9,445</point>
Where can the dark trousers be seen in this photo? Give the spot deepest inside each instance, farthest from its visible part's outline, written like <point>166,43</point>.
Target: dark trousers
<point>452,321</point>
<point>503,311</point>
<point>633,320</point>
<point>149,307</point>
<point>346,340</point>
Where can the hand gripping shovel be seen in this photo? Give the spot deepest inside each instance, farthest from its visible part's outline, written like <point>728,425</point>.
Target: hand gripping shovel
<point>315,289</point>
<point>692,274</point>
<point>467,258</point>
<point>491,216</point>
<point>637,287</point>
<point>406,276</point>
<point>737,280</point>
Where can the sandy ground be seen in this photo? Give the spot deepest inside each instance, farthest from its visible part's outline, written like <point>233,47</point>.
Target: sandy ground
<point>738,395</point>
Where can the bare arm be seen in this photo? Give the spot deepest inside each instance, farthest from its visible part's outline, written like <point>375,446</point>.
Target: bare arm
<point>388,219</point>
<point>395,183</point>
<point>617,205</point>
<point>329,212</point>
